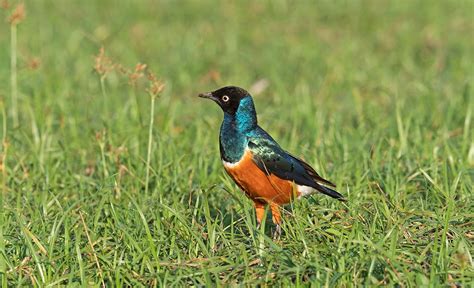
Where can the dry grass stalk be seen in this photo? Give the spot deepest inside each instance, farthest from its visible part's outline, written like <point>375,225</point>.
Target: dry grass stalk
<point>16,17</point>
<point>155,86</point>
<point>136,74</point>
<point>102,63</point>
<point>100,136</point>
<point>4,179</point>
<point>18,14</point>
<point>5,5</point>
<point>96,259</point>
<point>154,89</point>
<point>34,63</point>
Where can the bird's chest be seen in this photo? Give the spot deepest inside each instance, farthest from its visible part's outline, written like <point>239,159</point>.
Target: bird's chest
<point>258,185</point>
<point>232,143</point>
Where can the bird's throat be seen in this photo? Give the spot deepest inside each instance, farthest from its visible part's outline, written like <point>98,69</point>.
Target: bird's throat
<point>233,142</point>
<point>234,130</point>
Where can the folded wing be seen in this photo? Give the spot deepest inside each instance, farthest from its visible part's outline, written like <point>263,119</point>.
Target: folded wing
<point>272,159</point>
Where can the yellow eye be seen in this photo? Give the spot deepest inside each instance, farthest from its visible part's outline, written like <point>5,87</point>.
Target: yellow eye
<point>225,98</point>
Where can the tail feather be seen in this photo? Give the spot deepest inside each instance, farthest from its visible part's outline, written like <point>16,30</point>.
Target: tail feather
<point>319,181</point>
<point>330,192</point>
<point>312,173</point>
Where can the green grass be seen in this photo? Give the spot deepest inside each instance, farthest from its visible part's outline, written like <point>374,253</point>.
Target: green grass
<point>376,95</point>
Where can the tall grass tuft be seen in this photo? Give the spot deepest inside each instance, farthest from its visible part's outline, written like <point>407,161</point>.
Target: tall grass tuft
<point>104,65</point>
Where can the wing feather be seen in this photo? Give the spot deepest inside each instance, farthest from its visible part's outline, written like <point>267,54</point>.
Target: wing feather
<point>272,159</point>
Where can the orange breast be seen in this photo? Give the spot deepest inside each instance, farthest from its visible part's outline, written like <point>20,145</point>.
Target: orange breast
<point>258,185</point>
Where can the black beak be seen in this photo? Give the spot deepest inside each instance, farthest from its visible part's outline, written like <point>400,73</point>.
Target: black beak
<point>206,95</point>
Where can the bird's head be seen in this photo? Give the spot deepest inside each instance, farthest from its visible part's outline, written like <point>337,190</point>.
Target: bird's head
<point>228,98</point>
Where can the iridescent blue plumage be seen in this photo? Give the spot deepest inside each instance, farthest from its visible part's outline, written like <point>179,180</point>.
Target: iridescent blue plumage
<point>258,165</point>
<point>235,128</point>
<point>239,132</point>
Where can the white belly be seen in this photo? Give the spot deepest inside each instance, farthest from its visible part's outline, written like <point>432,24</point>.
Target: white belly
<point>305,190</point>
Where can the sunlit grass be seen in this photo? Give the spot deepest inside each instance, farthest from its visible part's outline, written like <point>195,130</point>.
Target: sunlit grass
<point>376,96</point>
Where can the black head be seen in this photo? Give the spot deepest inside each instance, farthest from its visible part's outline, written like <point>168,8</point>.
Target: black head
<point>228,98</point>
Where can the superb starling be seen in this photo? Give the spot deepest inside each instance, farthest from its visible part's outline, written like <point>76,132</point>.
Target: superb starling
<point>258,165</point>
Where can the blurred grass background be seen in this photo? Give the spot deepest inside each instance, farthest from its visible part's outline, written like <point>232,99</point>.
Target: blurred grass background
<point>377,95</point>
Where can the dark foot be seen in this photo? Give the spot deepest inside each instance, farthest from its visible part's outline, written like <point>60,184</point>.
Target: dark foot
<point>277,233</point>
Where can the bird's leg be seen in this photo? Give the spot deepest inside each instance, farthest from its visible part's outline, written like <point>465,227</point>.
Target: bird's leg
<point>277,233</point>
<point>276,217</point>
<point>259,212</point>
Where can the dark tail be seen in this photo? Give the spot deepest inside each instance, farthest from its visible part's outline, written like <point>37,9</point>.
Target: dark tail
<point>318,180</point>
<point>330,192</point>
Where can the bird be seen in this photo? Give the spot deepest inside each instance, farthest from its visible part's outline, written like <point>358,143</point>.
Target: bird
<point>267,173</point>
